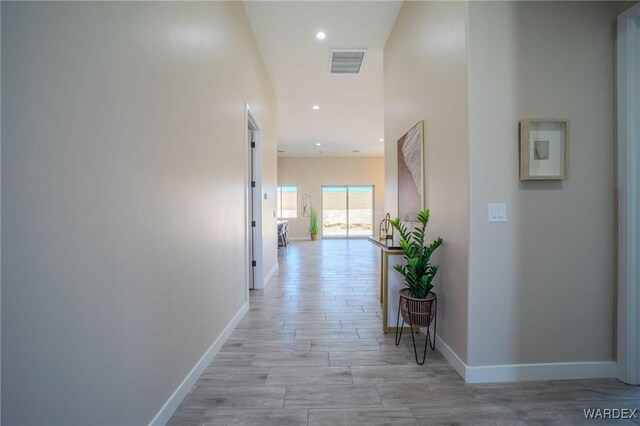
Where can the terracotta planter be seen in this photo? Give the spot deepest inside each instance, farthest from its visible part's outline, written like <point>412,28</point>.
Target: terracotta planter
<point>418,312</point>
<point>314,237</point>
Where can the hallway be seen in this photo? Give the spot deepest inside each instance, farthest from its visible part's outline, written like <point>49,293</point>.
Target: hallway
<point>310,351</point>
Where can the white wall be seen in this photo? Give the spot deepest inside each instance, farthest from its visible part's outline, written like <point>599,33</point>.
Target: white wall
<point>542,284</point>
<point>540,287</point>
<point>425,79</point>
<point>311,173</point>
<point>122,200</point>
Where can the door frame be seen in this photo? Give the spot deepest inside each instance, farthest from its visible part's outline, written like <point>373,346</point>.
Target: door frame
<point>252,125</point>
<point>628,195</point>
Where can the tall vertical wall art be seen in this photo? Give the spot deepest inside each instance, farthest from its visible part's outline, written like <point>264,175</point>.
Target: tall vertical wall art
<point>411,197</point>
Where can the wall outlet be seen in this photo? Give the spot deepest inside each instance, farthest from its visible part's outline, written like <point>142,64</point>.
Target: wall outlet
<point>497,212</point>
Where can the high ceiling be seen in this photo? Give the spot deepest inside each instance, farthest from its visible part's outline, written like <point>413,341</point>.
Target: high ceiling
<point>351,112</point>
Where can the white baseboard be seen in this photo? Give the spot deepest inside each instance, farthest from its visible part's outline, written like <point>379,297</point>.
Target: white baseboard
<point>183,389</point>
<point>546,371</point>
<point>261,284</point>
<point>271,274</point>
<point>453,358</point>
<point>300,238</point>
<point>523,372</point>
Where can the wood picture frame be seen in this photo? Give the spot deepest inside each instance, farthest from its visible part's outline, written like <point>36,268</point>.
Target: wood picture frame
<point>544,149</point>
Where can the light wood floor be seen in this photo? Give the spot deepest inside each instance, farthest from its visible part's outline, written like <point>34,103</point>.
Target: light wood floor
<point>310,351</point>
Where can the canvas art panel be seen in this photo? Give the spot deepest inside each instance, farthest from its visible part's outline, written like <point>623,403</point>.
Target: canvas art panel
<point>411,173</point>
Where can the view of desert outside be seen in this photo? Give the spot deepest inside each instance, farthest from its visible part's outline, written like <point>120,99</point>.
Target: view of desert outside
<point>287,202</point>
<point>347,211</point>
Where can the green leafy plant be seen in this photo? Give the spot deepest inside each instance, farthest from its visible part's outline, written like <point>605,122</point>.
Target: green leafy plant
<point>313,221</point>
<point>418,273</point>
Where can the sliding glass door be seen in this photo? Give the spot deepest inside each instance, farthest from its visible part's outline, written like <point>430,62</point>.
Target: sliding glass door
<point>360,211</point>
<point>347,211</point>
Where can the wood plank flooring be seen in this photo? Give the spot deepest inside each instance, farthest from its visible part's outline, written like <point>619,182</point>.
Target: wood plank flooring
<point>310,352</point>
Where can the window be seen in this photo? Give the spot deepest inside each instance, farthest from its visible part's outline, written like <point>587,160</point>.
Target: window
<point>287,202</point>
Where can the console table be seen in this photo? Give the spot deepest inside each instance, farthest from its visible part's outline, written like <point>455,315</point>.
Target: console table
<point>391,282</point>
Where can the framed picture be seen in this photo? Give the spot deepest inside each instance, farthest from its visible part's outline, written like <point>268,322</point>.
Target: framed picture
<point>306,205</point>
<point>411,173</point>
<point>544,149</point>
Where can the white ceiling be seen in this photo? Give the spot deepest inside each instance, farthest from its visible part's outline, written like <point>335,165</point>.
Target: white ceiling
<point>351,115</point>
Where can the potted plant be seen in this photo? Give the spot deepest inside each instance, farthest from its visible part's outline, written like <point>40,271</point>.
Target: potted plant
<point>418,304</point>
<point>313,224</point>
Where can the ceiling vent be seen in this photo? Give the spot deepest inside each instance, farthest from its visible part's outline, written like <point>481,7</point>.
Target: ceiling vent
<point>347,61</point>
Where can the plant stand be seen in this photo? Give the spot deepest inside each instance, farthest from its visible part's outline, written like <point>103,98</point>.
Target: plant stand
<point>418,313</point>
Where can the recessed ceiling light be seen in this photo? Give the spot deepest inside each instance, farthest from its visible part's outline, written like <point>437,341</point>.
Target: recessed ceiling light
<point>320,35</point>
<point>315,107</point>
<point>381,140</point>
<point>318,144</point>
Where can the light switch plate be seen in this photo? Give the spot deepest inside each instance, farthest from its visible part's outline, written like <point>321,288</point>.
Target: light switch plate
<point>497,212</point>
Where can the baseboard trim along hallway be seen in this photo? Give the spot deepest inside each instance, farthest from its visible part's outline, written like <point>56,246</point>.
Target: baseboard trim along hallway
<point>523,372</point>
<point>548,371</point>
<point>270,275</point>
<point>453,358</point>
<point>183,389</point>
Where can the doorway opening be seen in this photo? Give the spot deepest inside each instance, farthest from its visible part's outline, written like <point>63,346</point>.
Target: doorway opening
<point>253,201</point>
<point>347,211</point>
